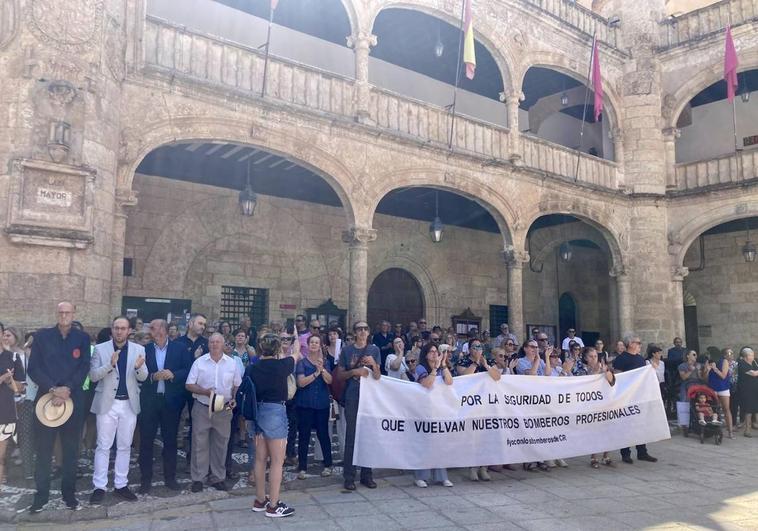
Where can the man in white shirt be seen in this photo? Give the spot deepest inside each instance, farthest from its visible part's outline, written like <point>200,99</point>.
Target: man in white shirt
<point>214,372</point>
<point>571,337</point>
<point>505,334</point>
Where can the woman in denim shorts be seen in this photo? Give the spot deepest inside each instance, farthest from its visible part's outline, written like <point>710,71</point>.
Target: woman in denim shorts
<point>270,378</point>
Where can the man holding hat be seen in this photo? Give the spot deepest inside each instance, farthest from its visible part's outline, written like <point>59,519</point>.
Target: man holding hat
<point>58,364</point>
<point>118,367</point>
<point>213,381</point>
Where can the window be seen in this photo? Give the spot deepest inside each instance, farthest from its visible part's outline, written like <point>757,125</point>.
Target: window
<point>498,316</point>
<point>238,302</point>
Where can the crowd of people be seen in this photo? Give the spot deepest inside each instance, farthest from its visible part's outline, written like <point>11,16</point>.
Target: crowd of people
<point>268,389</point>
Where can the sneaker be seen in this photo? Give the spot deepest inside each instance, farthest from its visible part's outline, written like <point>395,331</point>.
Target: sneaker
<point>647,457</point>
<point>550,463</point>
<point>73,504</point>
<point>701,422</point>
<point>197,486</point>
<point>145,488</point>
<point>326,472</point>
<point>301,474</point>
<point>34,508</point>
<point>447,483</point>
<point>472,475</point>
<point>220,485</point>
<point>280,510</point>
<point>171,484</point>
<point>97,497</point>
<point>483,474</point>
<point>561,463</point>
<point>717,423</point>
<point>259,507</point>
<point>420,483</point>
<point>125,494</point>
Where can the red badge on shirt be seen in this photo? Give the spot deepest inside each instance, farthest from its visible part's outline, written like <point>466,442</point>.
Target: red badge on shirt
<point>77,353</point>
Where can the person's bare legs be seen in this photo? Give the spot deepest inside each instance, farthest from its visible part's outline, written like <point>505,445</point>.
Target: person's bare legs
<point>726,406</point>
<point>261,456</point>
<point>276,448</point>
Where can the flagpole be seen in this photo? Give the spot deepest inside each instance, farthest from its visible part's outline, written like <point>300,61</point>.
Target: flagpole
<point>268,44</point>
<point>457,78</point>
<point>584,110</point>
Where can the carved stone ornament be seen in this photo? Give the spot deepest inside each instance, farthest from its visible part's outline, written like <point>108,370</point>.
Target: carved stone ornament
<point>358,236</point>
<point>114,49</point>
<point>50,204</point>
<point>515,258</point>
<point>8,21</point>
<point>679,273</point>
<point>57,22</point>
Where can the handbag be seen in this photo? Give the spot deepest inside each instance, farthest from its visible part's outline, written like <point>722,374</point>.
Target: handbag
<point>337,387</point>
<point>291,387</point>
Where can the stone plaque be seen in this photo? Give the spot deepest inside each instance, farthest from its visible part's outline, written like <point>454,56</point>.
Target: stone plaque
<point>50,204</point>
<point>8,21</point>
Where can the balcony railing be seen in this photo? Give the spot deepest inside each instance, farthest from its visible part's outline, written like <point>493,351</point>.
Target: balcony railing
<point>727,170</point>
<point>706,21</point>
<point>562,162</point>
<point>579,18</point>
<point>218,62</point>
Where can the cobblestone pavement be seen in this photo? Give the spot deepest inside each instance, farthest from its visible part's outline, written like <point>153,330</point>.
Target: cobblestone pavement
<point>693,486</point>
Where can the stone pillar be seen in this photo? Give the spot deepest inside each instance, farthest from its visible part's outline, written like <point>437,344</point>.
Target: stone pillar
<point>124,199</point>
<point>624,300</point>
<point>358,239</point>
<point>361,43</point>
<point>670,135</point>
<point>613,307</point>
<point>512,101</point>
<point>617,136</point>
<point>677,299</point>
<point>515,260</point>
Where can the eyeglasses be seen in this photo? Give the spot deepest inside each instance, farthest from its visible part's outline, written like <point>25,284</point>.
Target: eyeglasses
<point>577,348</point>
<point>412,361</point>
<point>298,320</point>
<point>541,339</point>
<point>285,338</point>
<point>510,344</point>
<point>422,322</point>
<point>554,356</point>
<point>315,328</point>
<point>361,328</point>
<point>477,347</point>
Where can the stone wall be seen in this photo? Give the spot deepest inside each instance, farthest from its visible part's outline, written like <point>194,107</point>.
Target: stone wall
<point>725,292</point>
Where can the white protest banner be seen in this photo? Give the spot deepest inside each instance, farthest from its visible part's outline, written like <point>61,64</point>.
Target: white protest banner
<point>478,421</point>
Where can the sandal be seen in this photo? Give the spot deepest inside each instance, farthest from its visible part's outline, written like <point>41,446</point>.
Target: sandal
<point>543,466</point>
<point>608,462</point>
<point>594,463</point>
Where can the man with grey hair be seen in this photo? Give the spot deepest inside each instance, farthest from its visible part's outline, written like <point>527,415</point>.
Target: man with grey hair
<point>629,360</point>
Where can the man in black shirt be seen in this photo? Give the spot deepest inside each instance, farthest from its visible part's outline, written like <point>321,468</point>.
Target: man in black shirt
<point>59,363</point>
<point>383,340</point>
<point>195,345</point>
<point>628,361</point>
<point>357,360</point>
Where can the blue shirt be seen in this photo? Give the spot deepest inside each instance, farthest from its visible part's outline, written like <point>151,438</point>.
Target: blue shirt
<point>315,395</point>
<point>160,361</point>
<point>524,367</point>
<point>57,361</point>
<point>348,357</point>
<point>628,362</point>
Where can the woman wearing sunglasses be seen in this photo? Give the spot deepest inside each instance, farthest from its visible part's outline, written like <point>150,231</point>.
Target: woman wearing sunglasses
<point>395,364</point>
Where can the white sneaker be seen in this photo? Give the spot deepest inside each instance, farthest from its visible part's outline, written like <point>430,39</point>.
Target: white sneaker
<point>420,483</point>
<point>550,463</point>
<point>326,472</point>
<point>483,474</point>
<point>301,474</point>
<point>472,475</point>
<point>562,463</point>
<point>447,483</point>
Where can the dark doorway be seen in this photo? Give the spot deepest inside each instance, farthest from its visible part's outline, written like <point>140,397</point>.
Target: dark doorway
<point>395,296</point>
<point>691,338</point>
<point>566,315</point>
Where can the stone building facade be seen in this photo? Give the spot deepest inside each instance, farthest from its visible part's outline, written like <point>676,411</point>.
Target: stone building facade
<point>92,87</point>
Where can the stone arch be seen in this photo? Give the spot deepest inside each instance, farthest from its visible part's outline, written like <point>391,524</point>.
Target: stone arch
<point>577,70</point>
<point>682,239</point>
<point>353,10</point>
<point>543,241</point>
<point>487,34</point>
<point>674,104</point>
<point>420,272</point>
<point>137,144</point>
<point>612,234</point>
<point>505,216</point>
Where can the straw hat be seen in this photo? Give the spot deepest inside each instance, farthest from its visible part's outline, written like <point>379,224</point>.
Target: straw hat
<point>51,415</point>
<point>215,404</point>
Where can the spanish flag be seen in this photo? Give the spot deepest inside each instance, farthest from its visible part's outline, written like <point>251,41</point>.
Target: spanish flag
<point>469,55</point>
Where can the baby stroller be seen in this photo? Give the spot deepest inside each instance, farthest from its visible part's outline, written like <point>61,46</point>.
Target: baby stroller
<point>709,429</point>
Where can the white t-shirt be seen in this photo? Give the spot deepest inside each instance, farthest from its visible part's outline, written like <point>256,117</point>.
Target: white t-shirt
<point>660,372</point>
<point>400,373</point>
<point>567,340</point>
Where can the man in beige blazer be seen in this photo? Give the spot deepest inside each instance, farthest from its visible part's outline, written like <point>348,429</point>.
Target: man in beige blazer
<point>117,367</point>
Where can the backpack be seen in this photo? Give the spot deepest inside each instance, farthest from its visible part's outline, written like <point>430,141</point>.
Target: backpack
<point>246,401</point>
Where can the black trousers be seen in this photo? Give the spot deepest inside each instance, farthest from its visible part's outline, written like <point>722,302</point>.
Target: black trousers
<point>155,412</point>
<point>233,438</point>
<point>351,419</point>
<point>641,450</point>
<point>70,434</point>
<point>307,419</point>
<point>291,428</point>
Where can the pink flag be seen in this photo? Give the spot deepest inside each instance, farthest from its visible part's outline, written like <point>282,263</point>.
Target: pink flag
<point>469,55</point>
<point>273,4</point>
<point>597,81</point>
<point>730,66</point>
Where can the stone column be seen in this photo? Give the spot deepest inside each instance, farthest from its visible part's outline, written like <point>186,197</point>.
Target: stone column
<point>361,43</point>
<point>624,300</point>
<point>515,260</point>
<point>669,139</point>
<point>677,280</point>
<point>124,199</point>
<point>512,101</point>
<point>618,154</point>
<point>613,307</point>
<point>358,239</point>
